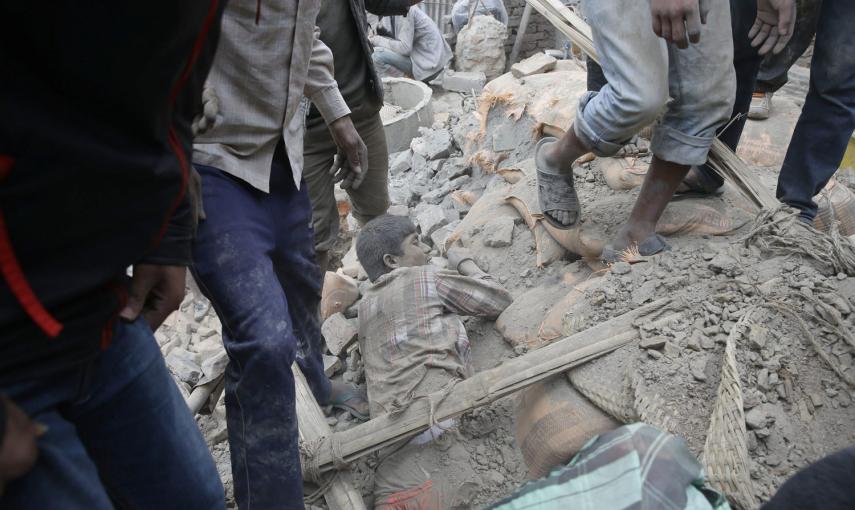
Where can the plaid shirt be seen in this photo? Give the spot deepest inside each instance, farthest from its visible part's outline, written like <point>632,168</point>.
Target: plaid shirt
<point>412,340</point>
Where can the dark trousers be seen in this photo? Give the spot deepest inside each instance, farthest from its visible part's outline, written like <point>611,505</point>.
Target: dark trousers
<point>828,115</point>
<point>746,62</point>
<point>254,258</point>
<point>119,433</point>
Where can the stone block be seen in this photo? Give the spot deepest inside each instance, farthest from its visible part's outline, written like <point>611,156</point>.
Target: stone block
<point>464,81</point>
<point>536,64</point>
<point>398,210</point>
<point>339,332</point>
<point>499,232</point>
<point>184,365</point>
<point>433,144</point>
<point>400,162</point>
<point>431,218</point>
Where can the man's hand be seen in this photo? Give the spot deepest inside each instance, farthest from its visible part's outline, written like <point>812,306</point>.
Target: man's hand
<point>156,291</point>
<point>679,21</point>
<point>210,107</point>
<point>18,448</point>
<point>352,159</point>
<point>774,26</point>
<point>457,255</point>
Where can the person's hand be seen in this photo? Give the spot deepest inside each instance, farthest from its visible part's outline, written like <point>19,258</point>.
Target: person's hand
<point>210,107</point>
<point>156,291</point>
<point>456,255</point>
<point>352,159</point>
<point>774,26</point>
<point>679,21</point>
<point>18,448</point>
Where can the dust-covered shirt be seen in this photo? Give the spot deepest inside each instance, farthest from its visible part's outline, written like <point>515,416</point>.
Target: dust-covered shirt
<point>410,334</point>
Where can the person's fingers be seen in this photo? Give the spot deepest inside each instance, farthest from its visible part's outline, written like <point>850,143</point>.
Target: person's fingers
<point>755,28</point>
<point>769,43</point>
<point>693,27</point>
<point>786,16</point>
<point>678,32</point>
<point>336,166</point>
<point>761,36</point>
<point>137,294</point>
<point>703,10</point>
<point>781,44</point>
<point>657,26</point>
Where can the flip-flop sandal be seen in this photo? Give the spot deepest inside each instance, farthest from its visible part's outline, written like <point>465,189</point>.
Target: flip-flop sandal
<point>345,403</point>
<point>651,246</point>
<point>696,188</point>
<point>556,192</point>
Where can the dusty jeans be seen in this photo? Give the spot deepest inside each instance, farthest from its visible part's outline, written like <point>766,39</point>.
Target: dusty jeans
<point>643,71</point>
<point>372,197</point>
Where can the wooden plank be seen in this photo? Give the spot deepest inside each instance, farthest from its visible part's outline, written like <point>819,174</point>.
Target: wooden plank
<point>487,386</point>
<point>523,28</point>
<point>341,493</point>
<point>721,159</point>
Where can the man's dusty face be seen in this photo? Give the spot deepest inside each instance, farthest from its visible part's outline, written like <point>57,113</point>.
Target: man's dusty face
<point>413,252</point>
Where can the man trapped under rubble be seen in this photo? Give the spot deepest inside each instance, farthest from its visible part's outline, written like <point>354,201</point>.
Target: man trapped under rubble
<point>414,344</point>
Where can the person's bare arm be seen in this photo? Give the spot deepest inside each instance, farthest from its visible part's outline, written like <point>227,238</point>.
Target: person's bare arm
<point>18,435</point>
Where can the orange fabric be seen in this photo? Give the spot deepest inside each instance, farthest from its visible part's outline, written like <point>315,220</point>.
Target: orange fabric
<point>423,497</point>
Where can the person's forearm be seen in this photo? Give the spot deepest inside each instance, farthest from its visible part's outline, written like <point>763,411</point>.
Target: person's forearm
<point>469,268</point>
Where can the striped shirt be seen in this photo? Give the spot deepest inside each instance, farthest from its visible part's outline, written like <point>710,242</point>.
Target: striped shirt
<point>410,334</point>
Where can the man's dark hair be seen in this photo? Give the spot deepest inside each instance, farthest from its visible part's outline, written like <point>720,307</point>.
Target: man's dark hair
<point>382,235</point>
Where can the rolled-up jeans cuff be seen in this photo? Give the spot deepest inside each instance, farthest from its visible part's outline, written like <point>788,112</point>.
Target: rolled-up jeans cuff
<point>674,146</point>
<point>586,134</point>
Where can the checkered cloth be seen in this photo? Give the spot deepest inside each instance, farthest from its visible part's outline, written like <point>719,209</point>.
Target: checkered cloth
<point>636,466</point>
<point>410,333</point>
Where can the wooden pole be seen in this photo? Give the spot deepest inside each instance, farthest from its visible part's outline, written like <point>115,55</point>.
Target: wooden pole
<point>487,386</point>
<point>341,494</point>
<point>515,51</point>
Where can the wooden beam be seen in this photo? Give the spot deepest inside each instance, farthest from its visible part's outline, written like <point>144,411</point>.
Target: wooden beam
<point>487,386</point>
<point>523,28</point>
<point>721,159</point>
<point>341,494</point>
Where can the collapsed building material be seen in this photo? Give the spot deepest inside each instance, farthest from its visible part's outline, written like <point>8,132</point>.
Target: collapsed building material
<point>468,82</point>
<point>339,332</point>
<point>335,450</point>
<point>535,64</point>
<point>337,488</point>
<point>481,46</point>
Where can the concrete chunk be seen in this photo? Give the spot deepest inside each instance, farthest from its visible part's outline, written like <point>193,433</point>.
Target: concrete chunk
<point>535,64</point>
<point>464,81</point>
<point>183,364</point>
<point>499,232</point>
<point>433,144</point>
<point>430,219</point>
<point>339,332</point>
<point>400,162</point>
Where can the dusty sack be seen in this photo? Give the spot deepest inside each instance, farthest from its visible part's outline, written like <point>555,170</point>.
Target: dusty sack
<point>836,203</point>
<point>554,421</point>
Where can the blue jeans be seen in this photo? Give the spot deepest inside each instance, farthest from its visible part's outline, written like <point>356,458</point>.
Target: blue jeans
<point>119,433</point>
<point>254,259</point>
<point>828,115</point>
<point>643,71</point>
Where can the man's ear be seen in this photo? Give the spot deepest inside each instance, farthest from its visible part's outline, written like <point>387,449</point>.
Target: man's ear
<point>390,261</point>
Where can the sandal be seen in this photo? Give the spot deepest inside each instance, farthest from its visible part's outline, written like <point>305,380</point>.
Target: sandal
<point>649,247</point>
<point>351,400</point>
<point>556,192</point>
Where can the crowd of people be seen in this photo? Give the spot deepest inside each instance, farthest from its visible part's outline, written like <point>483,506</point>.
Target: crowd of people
<point>211,135</point>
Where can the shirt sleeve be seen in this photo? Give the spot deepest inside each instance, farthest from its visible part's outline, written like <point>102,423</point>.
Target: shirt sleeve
<point>477,296</point>
<point>321,87</point>
<point>403,45</point>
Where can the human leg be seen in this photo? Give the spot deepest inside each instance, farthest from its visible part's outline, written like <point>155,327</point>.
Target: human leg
<point>372,197</point>
<point>119,433</point>
<point>702,86</point>
<point>389,63</point>
<point>233,266</point>
<point>318,154</point>
<point>632,97</point>
<point>828,115</point>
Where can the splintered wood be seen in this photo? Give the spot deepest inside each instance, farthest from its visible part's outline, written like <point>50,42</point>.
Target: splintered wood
<point>487,386</point>
<point>721,158</point>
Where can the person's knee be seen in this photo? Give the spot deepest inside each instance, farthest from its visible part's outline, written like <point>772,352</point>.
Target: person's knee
<point>641,107</point>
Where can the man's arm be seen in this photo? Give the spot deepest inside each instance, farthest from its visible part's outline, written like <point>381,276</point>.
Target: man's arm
<point>322,89</point>
<point>403,45</point>
<point>473,292</point>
